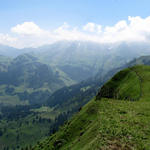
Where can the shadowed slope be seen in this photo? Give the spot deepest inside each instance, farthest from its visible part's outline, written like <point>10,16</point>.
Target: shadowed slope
<point>124,85</point>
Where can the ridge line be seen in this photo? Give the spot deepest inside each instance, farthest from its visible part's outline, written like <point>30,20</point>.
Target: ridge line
<point>140,79</point>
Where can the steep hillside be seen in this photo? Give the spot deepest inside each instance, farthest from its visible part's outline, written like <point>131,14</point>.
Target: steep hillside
<point>143,60</point>
<point>13,52</point>
<point>25,80</point>
<point>124,85</point>
<point>107,123</point>
<point>4,63</point>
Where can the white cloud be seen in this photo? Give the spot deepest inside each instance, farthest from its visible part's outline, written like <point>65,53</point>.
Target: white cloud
<point>136,30</point>
<point>29,34</point>
<point>27,28</point>
<point>65,26</point>
<point>92,27</point>
<point>120,26</point>
<point>5,39</point>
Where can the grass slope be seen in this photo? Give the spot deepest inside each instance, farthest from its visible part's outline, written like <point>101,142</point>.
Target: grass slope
<point>124,85</point>
<point>108,123</point>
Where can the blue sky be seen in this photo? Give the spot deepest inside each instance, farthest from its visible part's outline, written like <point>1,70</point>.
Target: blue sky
<point>52,13</point>
<point>32,23</point>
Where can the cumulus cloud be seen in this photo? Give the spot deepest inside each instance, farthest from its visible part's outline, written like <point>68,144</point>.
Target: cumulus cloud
<point>29,34</point>
<point>92,27</point>
<point>136,30</point>
<point>5,39</point>
<point>27,28</point>
<point>65,26</point>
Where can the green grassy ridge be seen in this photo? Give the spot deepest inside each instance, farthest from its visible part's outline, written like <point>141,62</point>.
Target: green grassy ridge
<point>144,73</point>
<point>124,85</point>
<point>109,123</point>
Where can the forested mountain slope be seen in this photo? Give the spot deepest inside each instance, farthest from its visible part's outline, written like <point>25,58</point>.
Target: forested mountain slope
<point>26,80</point>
